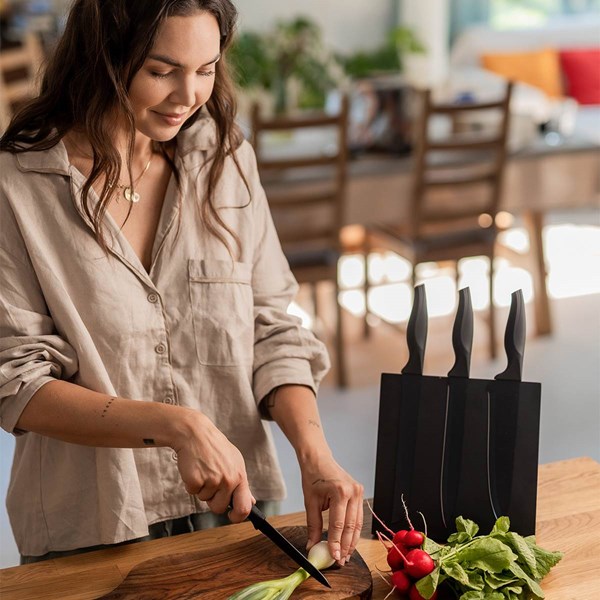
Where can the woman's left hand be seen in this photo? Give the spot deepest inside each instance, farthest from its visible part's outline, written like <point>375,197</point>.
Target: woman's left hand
<point>327,486</point>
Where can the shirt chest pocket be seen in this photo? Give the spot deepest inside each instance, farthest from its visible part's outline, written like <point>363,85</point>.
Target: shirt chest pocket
<point>222,311</point>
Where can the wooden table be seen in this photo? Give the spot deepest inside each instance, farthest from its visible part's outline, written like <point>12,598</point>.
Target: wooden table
<point>568,520</point>
<point>538,179</point>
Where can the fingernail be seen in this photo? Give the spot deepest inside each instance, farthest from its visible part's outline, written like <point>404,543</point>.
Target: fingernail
<point>336,555</point>
<point>348,558</point>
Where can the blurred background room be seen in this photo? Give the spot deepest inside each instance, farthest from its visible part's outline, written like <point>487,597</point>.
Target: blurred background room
<point>374,190</point>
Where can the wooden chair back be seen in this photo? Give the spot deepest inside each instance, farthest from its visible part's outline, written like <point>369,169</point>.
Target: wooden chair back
<point>19,67</point>
<point>302,162</point>
<point>303,165</point>
<point>458,176</point>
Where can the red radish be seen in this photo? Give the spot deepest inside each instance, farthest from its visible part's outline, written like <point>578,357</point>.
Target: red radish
<point>414,594</point>
<point>399,536</point>
<point>395,559</point>
<point>418,563</point>
<point>413,538</point>
<point>401,581</point>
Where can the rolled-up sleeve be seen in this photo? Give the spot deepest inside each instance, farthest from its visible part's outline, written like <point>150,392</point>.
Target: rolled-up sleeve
<point>31,351</point>
<point>284,351</point>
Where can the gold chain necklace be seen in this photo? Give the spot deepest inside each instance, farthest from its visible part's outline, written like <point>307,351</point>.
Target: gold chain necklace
<point>129,192</point>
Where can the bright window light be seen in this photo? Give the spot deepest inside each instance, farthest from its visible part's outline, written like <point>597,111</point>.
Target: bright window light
<point>507,281</point>
<point>391,302</point>
<point>441,296</point>
<point>352,271</point>
<point>516,239</point>
<point>296,310</point>
<point>573,254</point>
<point>353,301</point>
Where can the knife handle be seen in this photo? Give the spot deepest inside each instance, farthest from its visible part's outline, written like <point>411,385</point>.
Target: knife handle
<point>256,516</point>
<point>514,338</point>
<point>462,335</point>
<point>416,333</point>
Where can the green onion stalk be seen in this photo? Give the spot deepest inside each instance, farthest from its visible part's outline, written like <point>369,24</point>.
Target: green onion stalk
<point>282,589</point>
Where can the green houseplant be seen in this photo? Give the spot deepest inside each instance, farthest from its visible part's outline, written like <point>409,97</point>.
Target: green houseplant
<point>386,58</point>
<point>291,51</point>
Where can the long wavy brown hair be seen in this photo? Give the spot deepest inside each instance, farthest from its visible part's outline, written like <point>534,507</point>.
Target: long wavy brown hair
<point>105,43</point>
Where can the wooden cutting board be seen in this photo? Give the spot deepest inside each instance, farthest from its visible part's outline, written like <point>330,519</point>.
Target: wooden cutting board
<point>218,573</point>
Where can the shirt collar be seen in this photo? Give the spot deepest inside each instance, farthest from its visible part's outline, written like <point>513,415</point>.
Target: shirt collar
<point>53,160</point>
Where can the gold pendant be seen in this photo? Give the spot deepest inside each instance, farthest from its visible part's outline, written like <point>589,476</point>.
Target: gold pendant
<point>130,195</point>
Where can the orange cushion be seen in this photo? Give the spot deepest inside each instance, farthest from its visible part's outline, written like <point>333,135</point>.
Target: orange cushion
<point>539,68</point>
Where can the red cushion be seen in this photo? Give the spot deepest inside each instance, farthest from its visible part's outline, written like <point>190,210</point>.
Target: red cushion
<point>581,69</point>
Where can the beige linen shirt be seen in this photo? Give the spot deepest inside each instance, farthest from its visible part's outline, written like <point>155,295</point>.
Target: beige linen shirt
<point>200,329</point>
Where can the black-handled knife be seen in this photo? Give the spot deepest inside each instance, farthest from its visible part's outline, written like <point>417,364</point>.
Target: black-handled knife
<point>416,333</point>
<point>258,519</point>
<point>456,400</point>
<point>462,335</point>
<point>505,406</point>
<point>514,338</point>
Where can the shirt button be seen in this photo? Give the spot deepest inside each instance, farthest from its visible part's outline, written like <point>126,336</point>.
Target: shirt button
<point>160,349</point>
<point>168,400</point>
<point>153,298</point>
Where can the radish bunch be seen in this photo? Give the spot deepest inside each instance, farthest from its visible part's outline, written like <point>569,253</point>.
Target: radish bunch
<point>407,560</point>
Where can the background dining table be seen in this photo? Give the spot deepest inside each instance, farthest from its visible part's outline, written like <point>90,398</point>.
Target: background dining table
<point>568,519</point>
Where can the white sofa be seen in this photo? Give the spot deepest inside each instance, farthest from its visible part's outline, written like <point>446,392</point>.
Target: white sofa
<point>468,76</point>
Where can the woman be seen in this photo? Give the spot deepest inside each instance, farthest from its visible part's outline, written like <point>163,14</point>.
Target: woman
<point>143,325</point>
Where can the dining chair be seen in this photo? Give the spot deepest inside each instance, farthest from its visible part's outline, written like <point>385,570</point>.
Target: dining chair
<point>18,71</point>
<point>302,162</point>
<point>458,164</point>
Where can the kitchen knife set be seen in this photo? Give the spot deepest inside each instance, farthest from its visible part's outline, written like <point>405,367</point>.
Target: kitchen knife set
<point>454,445</point>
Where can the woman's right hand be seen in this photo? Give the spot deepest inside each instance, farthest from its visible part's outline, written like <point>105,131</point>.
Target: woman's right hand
<point>213,468</point>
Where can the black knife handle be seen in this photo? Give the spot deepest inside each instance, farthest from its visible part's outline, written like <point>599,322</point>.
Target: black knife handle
<point>256,516</point>
<point>462,335</point>
<point>514,338</point>
<point>416,333</point>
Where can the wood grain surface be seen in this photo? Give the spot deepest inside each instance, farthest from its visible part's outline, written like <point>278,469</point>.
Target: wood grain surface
<point>568,519</point>
<point>218,573</point>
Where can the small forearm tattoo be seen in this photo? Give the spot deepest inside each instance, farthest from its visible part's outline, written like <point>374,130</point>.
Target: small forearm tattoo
<point>323,481</point>
<point>149,442</point>
<point>314,423</point>
<point>107,407</point>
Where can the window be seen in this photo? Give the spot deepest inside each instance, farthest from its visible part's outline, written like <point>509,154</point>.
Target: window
<point>510,14</point>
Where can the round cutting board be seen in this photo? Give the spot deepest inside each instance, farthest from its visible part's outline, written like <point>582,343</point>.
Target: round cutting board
<point>216,574</point>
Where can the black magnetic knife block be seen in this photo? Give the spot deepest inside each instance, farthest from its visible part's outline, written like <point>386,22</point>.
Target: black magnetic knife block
<point>454,445</point>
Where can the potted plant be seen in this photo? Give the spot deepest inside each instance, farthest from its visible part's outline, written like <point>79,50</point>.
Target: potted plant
<point>291,57</point>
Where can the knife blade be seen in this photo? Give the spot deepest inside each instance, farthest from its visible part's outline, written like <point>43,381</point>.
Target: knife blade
<point>456,397</point>
<point>404,451</point>
<point>258,519</point>
<point>514,429</point>
<point>504,401</point>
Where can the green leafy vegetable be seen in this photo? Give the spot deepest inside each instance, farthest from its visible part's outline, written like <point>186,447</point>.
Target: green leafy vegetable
<point>502,565</point>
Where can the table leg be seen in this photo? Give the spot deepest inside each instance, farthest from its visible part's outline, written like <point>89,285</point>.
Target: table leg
<point>534,223</point>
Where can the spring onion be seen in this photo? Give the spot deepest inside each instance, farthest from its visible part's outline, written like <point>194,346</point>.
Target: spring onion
<point>282,589</point>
